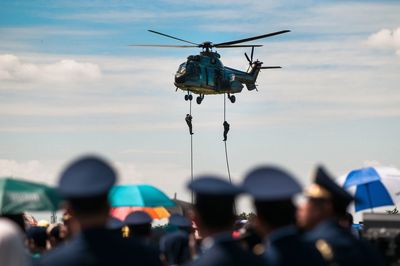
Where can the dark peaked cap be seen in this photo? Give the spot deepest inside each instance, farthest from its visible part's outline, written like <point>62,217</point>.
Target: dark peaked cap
<point>325,187</point>
<point>270,183</point>
<point>87,177</point>
<point>179,220</point>
<point>114,223</point>
<point>138,218</point>
<point>213,186</point>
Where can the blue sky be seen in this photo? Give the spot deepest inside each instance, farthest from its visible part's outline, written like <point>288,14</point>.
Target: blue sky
<point>70,85</point>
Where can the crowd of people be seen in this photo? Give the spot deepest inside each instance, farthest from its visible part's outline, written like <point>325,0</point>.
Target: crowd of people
<point>317,232</point>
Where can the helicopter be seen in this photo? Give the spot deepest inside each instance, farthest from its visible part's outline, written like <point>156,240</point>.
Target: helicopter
<point>205,74</point>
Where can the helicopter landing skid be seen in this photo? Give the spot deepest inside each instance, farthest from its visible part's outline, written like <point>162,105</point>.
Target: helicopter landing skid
<point>232,98</point>
<point>188,97</point>
<point>200,98</point>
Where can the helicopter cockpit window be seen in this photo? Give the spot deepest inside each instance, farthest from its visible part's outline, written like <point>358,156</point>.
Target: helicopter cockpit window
<point>189,68</point>
<point>182,68</point>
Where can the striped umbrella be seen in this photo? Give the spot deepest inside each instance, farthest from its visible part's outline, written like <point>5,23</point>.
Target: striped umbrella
<point>374,187</point>
<point>155,213</point>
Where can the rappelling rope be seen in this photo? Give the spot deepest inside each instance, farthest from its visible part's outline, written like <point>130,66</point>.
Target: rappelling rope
<point>191,151</point>
<point>226,149</point>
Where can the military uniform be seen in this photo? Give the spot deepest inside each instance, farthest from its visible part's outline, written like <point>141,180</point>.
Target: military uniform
<point>139,223</point>
<point>100,247</point>
<point>223,250</point>
<point>337,245</point>
<point>188,120</point>
<point>270,188</point>
<point>215,195</point>
<point>175,245</point>
<point>84,184</point>
<point>285,247</point>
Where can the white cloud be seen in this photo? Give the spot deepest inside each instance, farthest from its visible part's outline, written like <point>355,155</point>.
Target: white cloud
<point>32,170</point>
<point>128,173</point>
<point>386,39</point>
<point>12,68</point>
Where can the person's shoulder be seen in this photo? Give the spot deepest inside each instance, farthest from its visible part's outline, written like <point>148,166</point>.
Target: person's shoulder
<point>138,252</point>
<point>326,230</point>
<point>228,253</point>
<point>66,254</point>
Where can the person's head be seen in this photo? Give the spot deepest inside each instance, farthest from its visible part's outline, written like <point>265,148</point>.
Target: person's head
<point>325,200</point>
<point>346,221</point>
<point>115,225</point>
<point>56,235</point>
<point>84,184</point>
<point>139,223</point>
<point>12,250</point>
<point>36,237</point>
<point>70,225</point>
<point>180,222</point>
<point>272,189</point>
<point>214,205</point>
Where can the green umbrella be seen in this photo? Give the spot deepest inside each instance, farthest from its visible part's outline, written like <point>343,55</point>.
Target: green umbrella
<point>17,196</point>
<point>138,196</point>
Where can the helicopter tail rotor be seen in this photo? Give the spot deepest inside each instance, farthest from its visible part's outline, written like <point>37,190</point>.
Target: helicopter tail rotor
<point>250,59</point>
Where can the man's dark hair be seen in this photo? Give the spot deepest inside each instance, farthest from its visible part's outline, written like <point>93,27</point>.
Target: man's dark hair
<point>216,212</point>
<point>89,206</point>
<point>140,230</point>
<point>55,232</point>
<point>38,235</point>
<point>276,213</point>
<point>339,207</point>
<point>348,217</point>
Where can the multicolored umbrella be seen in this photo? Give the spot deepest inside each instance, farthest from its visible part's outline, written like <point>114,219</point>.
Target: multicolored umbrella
<point>17,196</point>
<point>138,196</point>
<point>374,187</point>
<point>155,213</point>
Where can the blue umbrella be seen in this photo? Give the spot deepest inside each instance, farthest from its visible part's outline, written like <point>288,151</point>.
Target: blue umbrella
<point>372,186</point>
<point>138,196</point>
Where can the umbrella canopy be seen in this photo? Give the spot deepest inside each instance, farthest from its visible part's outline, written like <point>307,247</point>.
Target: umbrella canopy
<point>138,196</point>
<point>374,187</point>
<point>155,213</point>
<point>17,196</point>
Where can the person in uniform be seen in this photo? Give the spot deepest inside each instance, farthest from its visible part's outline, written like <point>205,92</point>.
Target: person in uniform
<point>139,223</point>
<point>326,203</point>
<point>36,237</point>
<point>214,216</point>
<point>84,185</point>
<point>272,190</point>
<point>174,246</point>
<point>115,225</point>
<point>188,120</point>
<point>226,130</point>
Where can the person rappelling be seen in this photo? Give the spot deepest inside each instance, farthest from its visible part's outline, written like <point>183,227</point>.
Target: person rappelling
<point>226,129</point>
<point>188,120</point>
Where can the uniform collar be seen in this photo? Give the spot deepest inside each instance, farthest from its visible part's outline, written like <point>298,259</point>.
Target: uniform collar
<point>210,241</point>
<point>281,232</point>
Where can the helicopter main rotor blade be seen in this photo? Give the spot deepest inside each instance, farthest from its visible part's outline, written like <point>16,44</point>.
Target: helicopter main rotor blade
<point>169,36</point>
<point>252,38</point>
<point>236,46</point>
<point>247,57</point>
<point>270,67</point>
<point>252,53</point>
<point>164,46</point>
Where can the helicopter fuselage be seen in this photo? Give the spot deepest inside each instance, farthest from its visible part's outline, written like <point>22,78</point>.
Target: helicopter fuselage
<point>205,74</point>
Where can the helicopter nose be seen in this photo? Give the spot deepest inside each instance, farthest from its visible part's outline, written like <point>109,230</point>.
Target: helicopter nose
<point>179,79</point>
